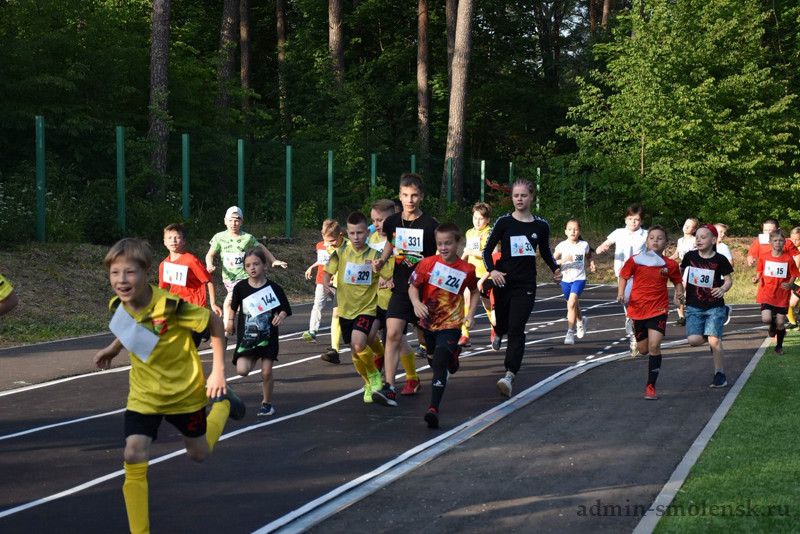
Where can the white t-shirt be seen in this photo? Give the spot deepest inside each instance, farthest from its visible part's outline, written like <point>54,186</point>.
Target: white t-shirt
<point>576,269</point>
<point>628,244</point>
<point>723,249</point>
<point>684,246</point>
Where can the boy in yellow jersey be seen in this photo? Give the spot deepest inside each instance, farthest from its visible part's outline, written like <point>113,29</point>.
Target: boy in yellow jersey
<point>473,252</point>
<point>381,210</point>
<point>8,297</point>
<point>351,264</point>
<point>166,379</point>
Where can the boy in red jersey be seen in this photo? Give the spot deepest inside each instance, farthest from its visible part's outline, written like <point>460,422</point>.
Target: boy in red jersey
<point>441,281</point>
<point>761,245</point>
<point>648,304</point>
<point>775,274</point>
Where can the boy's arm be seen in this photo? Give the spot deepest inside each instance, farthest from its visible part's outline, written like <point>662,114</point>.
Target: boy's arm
<point>270,258</point>
<point>212,298</point>
<point>103,357</point>
<point>216,386</point>
<point>621,290</point>
<point>604,246</point>
<point>474,301</point>
<point>210,259</point>
<point>326,281</point>
<point>680,295</point>
<point>388,250</point>
<point>310,270</point>
<point>228,327</point>
<point>727,282</point>
<point>420,310</point>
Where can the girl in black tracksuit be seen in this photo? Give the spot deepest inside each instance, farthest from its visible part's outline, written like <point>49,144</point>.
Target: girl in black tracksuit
<point>519,234</point>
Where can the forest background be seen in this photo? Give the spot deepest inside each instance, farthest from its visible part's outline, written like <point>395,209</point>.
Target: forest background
<point>689,108</point>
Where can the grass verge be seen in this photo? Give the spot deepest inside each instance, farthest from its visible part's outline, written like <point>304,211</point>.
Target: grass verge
<point>746,480</point>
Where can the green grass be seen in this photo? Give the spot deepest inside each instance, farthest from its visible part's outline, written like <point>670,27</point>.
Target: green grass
<point>752,461</point>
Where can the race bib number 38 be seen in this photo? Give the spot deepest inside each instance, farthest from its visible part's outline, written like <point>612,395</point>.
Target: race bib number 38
<point>260,302</point>
<point>776,269</point>
<point>701,277</point>
<point>447,278</point>
<point>520,246</point>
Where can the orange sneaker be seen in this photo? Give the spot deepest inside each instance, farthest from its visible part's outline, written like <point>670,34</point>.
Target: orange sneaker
<point>650,392</point>
<point>412,386</point>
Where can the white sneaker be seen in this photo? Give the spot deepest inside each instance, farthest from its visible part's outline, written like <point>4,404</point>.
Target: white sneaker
<point>629,326</point>
<point>569,339</point>
<point>580,328</point>
<point>634,347</point>
<point>505,384</point>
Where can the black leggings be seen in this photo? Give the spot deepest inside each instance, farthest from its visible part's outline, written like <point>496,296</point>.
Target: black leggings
<point>441,345</point>
<point>512,308</point>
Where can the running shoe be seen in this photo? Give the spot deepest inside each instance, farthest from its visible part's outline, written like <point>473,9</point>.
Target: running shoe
<point>569,339</point>
<point>778,350</point>
<point>330,356</point>
<point>412,386</point>
<point>368,393</point>
<point>629,326</point>
<point>719,380</point>
<point>453,364</point>
<point>496,343</point>
<point>650,392</point>
<point>791,326</point>
<point>634,346</point>
<point>265,409</point>
<point>421,352</point>
<point>580,328</point>
<point>385,396</point>
<point>463,341</point>
<point>773,329</point>
<point>375,382</point>
<point>681,321</point>
<point>505,384</point>
<point>728,313</point>
<point>237,405</point>
<point>310,336</point>
<point>432,417</point>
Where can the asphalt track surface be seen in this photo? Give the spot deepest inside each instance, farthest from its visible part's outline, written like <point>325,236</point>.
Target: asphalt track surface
<point>576,448</point>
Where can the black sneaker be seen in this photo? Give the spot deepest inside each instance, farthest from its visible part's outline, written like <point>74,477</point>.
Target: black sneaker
<point>496,343</point>
<point>791,326</point>
<point>432,418</point>
<point>719,380</point>
<point>681,321</point>
<point>237,405</point>
<point>331,356</point>
<point>385,396</point>
<point>453,364</point>
<point>265,409</point>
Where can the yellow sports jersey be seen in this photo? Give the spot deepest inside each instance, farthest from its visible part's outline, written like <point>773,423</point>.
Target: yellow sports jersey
<point>477,237</point>
<point>171,379</point>
<point>357,285</point>
<point>5,287</point>
<point>377,241</point>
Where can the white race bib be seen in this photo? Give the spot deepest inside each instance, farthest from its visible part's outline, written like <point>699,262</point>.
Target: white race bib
<point>261,301</point>
<point>136,338</point>
<point>520,246</point>
<point>578,258</point>
<point>474,243</point>
<point>233,260</point>
<point>175,274</point>
<point>377,246</point>
<point>700,277</point>
<point>447,278</point>
<point>763,239</point>
<point>358,274</point>
<point>409,239</point>
<point>323,257</point>
<point>775,269</point>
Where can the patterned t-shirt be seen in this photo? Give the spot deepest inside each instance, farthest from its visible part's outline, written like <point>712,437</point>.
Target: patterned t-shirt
<point>232,249</point>
<point>441,288</point>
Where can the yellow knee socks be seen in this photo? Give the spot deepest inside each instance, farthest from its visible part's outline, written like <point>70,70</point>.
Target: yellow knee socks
<point>136,492</point>
<point>336,333</point>
<point>215,422</point>
<point>409,366</point>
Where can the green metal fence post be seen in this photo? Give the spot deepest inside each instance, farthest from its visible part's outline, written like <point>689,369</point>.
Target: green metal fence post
<point>121,177</point>
<point>413,163</point>
<point>449,181</point>
<point>288,190</point>
<point>483,180</point>
<point>240,173</point>
<point>374,170</point>
<point>185,174</point>
<point>510,172</point>
<point>330,184</point>
<point>41,215</point>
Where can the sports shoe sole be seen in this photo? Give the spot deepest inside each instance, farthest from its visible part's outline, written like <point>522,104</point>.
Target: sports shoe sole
<point>382,399</point>
<point>504,387</point>
<point>432,419</point>
<point>238,408</point>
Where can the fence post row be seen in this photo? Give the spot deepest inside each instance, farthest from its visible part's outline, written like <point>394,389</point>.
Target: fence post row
<point>40,180</point>
<point>288,190</point>
<point>121,178</point>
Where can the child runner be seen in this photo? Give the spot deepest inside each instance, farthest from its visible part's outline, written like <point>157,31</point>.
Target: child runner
<point>166,378</point>
<point>708,277</point>
<point>722,248</point>
<point>648,304</point>
<point>685,244</point>
<point>8,297</point>
<point>761,246</point>
<point>629,240</point>
<point>794,237</point>
<point>351,266</point>
<point>475,241</point>
<point>514,275</point>
<point>232,244</point>
<point>182,274</point>
<point>573,253</point>
<point>381,210</point>
<point>264,307</point>
<point>436,290</point>
<point>412,234</point>
<point>331,240</point>
<point>775,274</point>
<point>486,289</point>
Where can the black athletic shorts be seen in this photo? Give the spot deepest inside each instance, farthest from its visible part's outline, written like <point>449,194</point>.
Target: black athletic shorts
<point>362,323</point>
<point>640,326</point>
<point>191,425</point>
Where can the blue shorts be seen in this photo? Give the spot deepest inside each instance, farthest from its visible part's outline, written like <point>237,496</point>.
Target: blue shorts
<point>700,322</point>
<point>575,286</point>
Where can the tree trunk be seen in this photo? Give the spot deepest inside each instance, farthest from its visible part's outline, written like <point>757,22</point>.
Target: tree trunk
<point>227,59</point>
<point>336,41</point>
<point>280,11</point>
<point>458,100</point>
<point>423,89</point>
<point>592,17</point>
<point>606,12</point>
<point>159,91</point>
<point>548,28</point>
<point>451,14</point>
<point>244,42</point>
